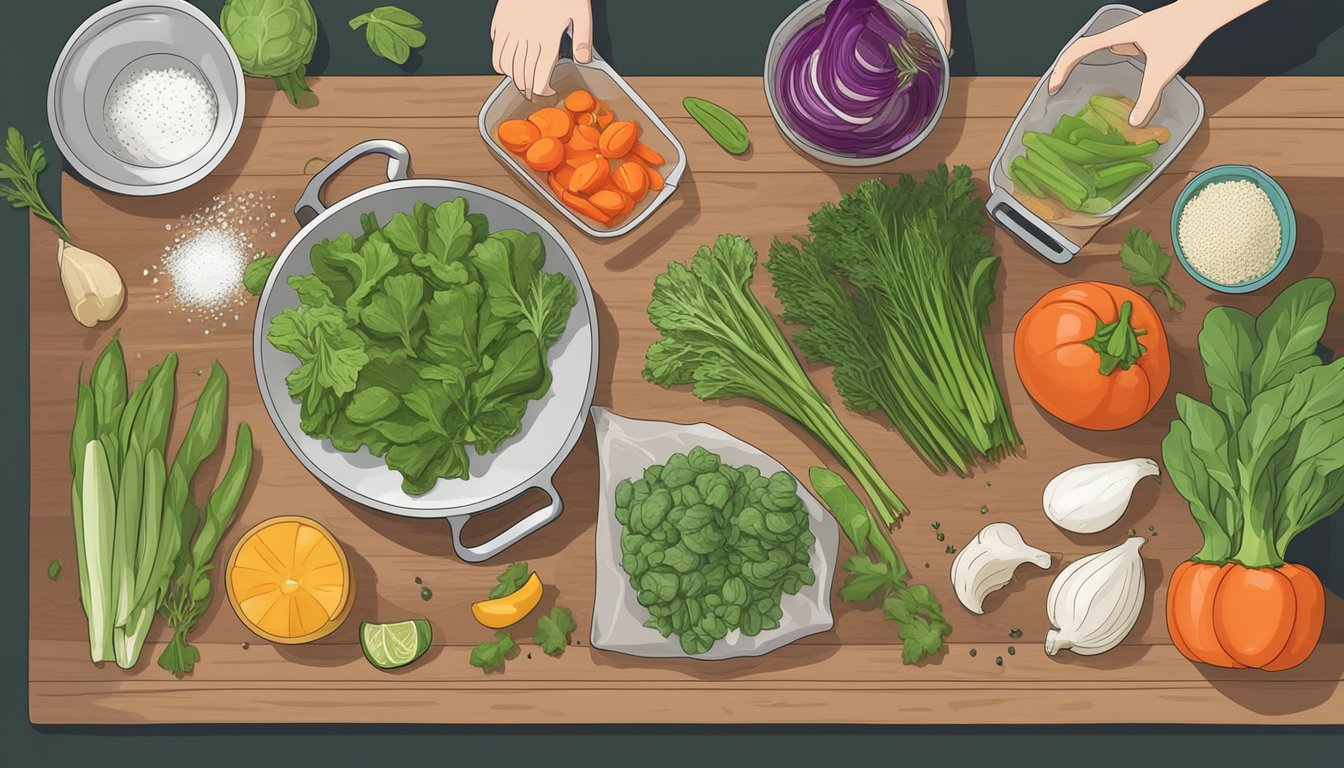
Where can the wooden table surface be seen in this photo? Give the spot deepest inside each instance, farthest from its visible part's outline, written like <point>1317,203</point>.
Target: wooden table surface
<point>1290,127</point>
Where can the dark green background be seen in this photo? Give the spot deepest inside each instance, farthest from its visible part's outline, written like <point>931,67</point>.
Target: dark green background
<point>641,37</point>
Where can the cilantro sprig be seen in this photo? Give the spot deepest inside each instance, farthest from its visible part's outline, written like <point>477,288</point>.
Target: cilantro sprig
<point>1147,263</point>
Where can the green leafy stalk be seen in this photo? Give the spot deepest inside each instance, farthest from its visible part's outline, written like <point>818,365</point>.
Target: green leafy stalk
<point>718,338</point>
<point>893,289</point>
<point>1147,263</point>
<point>1263,460</point>
<point>18,179</point>
<point>882,578</point>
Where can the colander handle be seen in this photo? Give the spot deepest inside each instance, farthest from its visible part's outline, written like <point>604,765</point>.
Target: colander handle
<point>310,204</point>
<point>516,533</point>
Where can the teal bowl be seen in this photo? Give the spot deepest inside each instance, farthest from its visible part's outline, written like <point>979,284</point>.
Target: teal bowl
<point>1282,208</point>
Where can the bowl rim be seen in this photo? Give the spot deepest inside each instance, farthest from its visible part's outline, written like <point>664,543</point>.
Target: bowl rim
<point>815,8</point>
<point>77,37</point>
<point>1288,225</point>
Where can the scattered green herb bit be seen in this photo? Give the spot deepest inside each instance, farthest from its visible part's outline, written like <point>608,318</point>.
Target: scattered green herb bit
<point>941,536</point>
<point>391,32</point>
<point>54,570</point>
<point>984,510</point>
<point>18,179</point>
<point>553,631</point>
<point>711,547</point>
<point>426,593</point>
<point>972,653</point>
<point>1014,633</point>
<point>246,645</point>
<point>723,126</point>
<point>998,660</point>
<point>912,250</point>
<point>490,655</point>
<point>1131,532</point>
<point>1012,651</point>
<point>950,549</point>
<point>1151,529</point>
<point>423,338</point>
<point>987,483</point>
<point>1148,263</point>
<point>936,525</point>
<point>418,581</point>
<point>717,336</point>
<point>882,577</point>
<point>511,580</point>
<point>256,273</point>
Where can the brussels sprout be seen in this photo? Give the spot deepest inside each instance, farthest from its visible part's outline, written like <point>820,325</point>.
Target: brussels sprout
<point>273,38</point>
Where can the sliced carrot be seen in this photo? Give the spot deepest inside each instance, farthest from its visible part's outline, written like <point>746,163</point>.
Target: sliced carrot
<point>553,122</point>
<point>580,101</point>
<point>584,137</point>
<point>577,157</point>
<point>545,154</point>
<point>618,138</point>
<point>590,176</point>
<point>603,115</point>
<point>553,181</point>
<point>655,178</point>
<point>609,201</point>
<point>631,179</point>
<point>647,154</point>
<point>582,206</point>
<point>517,135</point>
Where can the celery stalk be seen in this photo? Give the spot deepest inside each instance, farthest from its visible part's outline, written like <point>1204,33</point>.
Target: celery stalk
<point>98,519</point>
<point>127,532</point>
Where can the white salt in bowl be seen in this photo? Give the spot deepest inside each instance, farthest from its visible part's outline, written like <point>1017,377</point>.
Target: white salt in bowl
<point>104,57</point>
<point>1283,210</point>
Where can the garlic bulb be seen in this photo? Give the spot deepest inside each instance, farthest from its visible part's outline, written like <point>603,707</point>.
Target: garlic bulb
<point>1095,601</point>
<point>988,562</point>
<point>1092,497</point>
<point>92,285</point>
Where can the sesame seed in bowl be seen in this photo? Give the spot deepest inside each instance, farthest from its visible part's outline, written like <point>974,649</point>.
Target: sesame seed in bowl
<point>1233,228</point>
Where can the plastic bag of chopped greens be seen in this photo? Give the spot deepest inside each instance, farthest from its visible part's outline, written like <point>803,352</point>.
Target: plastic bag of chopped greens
<point>626,448</point>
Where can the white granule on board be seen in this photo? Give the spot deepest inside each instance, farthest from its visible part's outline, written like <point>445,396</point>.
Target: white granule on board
<point>207,269</point>
<point>160,116</point>
<point>1230,233</point>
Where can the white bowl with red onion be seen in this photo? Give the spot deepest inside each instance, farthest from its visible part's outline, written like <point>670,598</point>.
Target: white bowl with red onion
<point>856,82</point>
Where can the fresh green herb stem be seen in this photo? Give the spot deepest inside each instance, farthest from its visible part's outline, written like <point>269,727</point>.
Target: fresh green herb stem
<point>18,179</point>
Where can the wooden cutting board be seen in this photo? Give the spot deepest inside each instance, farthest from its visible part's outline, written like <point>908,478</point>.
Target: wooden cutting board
<point>1290,127</point>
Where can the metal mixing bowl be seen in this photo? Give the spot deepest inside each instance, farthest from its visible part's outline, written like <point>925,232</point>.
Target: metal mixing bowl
<point>811,12</point>
<point>115,42</point>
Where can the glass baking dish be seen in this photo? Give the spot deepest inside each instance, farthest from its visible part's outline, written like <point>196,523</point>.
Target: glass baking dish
<point>1180,111</point>
<point>507,103</point>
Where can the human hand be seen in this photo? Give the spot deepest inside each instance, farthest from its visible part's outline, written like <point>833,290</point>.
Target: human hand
<point>526,35</point>
<point>1165,38</point>
<point>936,10</point>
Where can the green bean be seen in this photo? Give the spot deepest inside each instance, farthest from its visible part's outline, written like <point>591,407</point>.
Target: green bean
<point>1121,172</point>
<point>1022,177</point>
<point>1044,142</point>
<point>1119,151</point>
<point>1069,190</point>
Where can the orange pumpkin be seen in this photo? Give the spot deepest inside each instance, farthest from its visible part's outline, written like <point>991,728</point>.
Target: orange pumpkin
<point>1234,616</point>
<point>1093,354</point>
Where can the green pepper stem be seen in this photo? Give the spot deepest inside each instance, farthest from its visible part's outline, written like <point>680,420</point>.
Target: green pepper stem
<point>1118,343</point>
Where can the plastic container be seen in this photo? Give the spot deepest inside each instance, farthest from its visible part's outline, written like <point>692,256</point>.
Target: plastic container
<point>1282,209</point>
<point>507,103</point>
<point>810,13</point>
<point>1180,111</point>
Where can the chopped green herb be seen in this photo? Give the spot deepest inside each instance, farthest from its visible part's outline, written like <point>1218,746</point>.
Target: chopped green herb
<point>511,580</point>
<point>1130,532</point>
<point>1012,651</point>
<point>553,631</point>
<point>1147,263</point>
<point>418,581</point>
<point>54,570</point>
<point>391,32</point>
<point>1014,633</point>
<point>941,536</point>
<point>972,653</point>
<point>998,660</point>
<point>984,510</point>
<point>426,593</point>
<point>936,525</point>
<point>246,645</point>
<point>491,655</point>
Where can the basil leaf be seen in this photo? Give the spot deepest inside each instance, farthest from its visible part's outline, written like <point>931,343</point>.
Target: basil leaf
<point>390,32</point>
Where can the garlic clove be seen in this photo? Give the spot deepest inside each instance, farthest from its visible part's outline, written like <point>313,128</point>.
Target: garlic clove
<point>93,287</point>
<point>1095,602</point>
<point>1093,497</point>
<point>988,562</point>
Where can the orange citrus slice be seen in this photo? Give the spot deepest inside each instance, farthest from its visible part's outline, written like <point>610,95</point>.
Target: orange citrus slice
<point>289,580</point>
<point>510,609</point>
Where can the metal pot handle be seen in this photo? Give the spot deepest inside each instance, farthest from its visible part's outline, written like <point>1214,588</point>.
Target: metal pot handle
<point>310,204</point>
<point>513,535</point>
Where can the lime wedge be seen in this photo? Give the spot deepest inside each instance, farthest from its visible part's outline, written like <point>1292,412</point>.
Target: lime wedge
<point>388,646</point>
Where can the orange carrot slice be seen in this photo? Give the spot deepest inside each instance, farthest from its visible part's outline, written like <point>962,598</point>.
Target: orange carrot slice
<point>584,137</point>
<point>609,201</point>
<point>590,176</point>
<point>582,206</point>
<point>553,122</point>
<point>545,154</point>
<point>631,179</point>
<point>517,135</point>
<point>618,138</point>
<point>580,101</point>
<point>646,153</point>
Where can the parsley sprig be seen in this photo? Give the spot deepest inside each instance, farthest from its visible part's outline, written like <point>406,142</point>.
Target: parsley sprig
<point>18,179</point>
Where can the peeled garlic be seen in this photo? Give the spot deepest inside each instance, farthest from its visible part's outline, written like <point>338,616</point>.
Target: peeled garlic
<point>988,562</point>
<point>1095,601</point>
<point>92,285</point>
<point>1092,497</point>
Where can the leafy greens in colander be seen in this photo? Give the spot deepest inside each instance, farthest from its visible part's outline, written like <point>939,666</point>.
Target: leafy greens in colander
<point>421,337</point>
